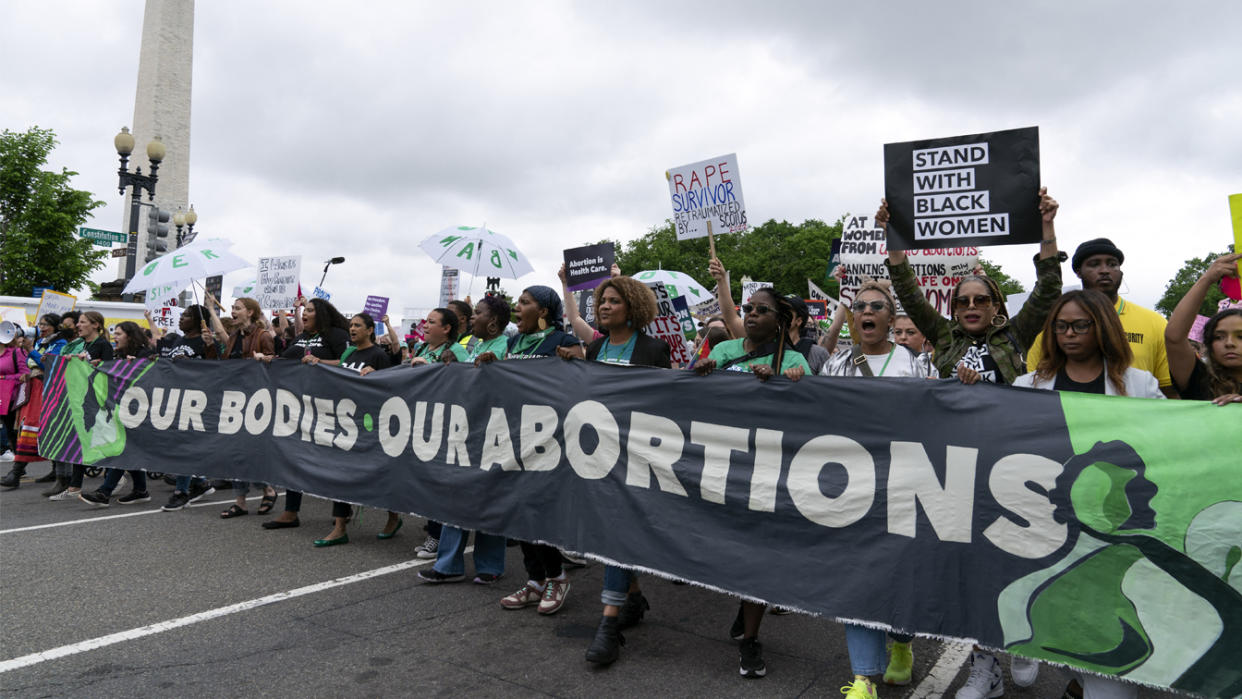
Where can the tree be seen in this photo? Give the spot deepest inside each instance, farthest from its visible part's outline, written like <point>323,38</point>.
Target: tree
<point>1008,285</point>
<point>1186,278</point>
<point>39,217</point>
<point>779,252</point>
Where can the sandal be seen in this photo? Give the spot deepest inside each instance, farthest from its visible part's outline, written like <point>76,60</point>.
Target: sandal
<point>233,511</point>
<point>267,503</point>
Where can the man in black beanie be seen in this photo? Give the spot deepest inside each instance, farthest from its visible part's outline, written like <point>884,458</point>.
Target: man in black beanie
<point>1098,264</point>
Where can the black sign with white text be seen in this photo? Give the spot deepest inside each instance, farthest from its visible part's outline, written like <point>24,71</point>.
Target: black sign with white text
<point>981,189</point>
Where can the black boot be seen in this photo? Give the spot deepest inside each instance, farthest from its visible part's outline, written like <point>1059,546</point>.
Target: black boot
<point>633,610</point>
<point>57,488</point>
<point>606,646</point>
<point>14,477</point>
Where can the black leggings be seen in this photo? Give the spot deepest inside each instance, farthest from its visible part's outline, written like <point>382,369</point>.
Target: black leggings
<point>293,503</point>
<point>541,561</point>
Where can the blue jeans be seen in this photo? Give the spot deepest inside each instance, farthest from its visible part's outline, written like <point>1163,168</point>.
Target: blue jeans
<point>113,476</point>
<point>489,552</point>
<point>616,585</point>
<point>240,488</point>
<point>183,483</point>
<point>867,651</point>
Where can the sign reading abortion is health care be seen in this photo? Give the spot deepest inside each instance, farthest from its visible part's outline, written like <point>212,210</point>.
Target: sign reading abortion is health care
<point>709,190</point>
<point>587,266</point>
<point>981,189</point>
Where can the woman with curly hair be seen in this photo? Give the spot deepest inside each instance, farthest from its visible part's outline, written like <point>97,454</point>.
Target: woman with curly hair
<point>1219,377</point>
<point>623,308</point>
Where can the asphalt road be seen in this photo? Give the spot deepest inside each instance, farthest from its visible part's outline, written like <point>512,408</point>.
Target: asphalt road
<point>132,601</point>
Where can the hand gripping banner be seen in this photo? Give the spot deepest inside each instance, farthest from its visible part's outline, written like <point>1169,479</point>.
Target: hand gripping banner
<point>1097,532</point>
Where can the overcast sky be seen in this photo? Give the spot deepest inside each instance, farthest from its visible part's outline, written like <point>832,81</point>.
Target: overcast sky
<point>327,129</point>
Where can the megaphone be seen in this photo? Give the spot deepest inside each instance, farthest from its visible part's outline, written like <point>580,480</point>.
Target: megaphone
<point>10,330</point>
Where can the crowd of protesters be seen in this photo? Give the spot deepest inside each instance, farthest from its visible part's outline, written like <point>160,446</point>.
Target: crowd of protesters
<point>1087,340</point>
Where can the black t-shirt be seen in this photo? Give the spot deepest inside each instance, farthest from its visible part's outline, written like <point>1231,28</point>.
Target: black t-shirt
<point>1065,383</point>
<point>374,356</point>
<point>238,339</point>
<point>1198,386</point>
<point>329,344</point>
<point>979,357</point>
<point>543,348</point>
<point>175,346</point>
<point>99,348</point>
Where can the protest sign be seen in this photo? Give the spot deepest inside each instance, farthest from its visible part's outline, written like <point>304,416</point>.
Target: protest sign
<point>376,307</point>
<point>319,293</point>
<point>750,287</point>
<point>834,259</point>
<point>412,319</point>
<point>864,250</point>
<point>586,306</point>
<point>707,191</point>
<point>448,285</point>
<point>981,189</point>
<point>278,281</point>
<point>14,314</point>
<point>246,290</point>
<point>55,302</point>
<point>586,266</point>
<point>683,315</point>
<point>1071,526</point>
<point>667,324</point>
<point>167,317</point>
<point>817,294</point>
<point>1232,287</point>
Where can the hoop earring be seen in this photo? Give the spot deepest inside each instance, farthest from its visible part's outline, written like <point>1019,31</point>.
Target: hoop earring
<point>491,327</point>
<point>543,324</point>
<point>999,321</point>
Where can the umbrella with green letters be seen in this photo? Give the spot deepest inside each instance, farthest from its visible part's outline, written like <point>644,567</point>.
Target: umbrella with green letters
<point>478,252</point>
<point>201,258</point>
<point>678,284</point>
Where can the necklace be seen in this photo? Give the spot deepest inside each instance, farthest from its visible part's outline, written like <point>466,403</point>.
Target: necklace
<point>623,354</point>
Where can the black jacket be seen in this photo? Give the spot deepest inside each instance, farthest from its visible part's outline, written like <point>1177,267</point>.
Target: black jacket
<point>648,351</point>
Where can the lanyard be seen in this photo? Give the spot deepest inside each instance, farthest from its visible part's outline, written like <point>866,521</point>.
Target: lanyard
<point>627,351</point>
<point>886,361</point>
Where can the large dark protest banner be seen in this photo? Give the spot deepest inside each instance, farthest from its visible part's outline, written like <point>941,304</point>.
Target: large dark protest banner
<point>1094,531</point>
<point>981,189</point>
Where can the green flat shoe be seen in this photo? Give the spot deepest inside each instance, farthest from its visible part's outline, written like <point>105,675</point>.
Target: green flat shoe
<point>391,534</point>
<point>320,543</point>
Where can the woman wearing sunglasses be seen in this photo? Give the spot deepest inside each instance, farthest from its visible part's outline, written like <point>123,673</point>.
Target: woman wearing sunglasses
<point>981,342</point>
<point>764,351</point>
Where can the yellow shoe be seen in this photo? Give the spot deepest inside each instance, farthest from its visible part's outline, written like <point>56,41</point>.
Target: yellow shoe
<point>860,689</point>
<point>900,664</point>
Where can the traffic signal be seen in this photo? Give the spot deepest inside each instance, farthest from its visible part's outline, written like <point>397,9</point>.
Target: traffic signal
<point>157,231</point>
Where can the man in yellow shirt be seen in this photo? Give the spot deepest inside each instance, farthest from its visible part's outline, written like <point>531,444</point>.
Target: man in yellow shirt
<point>1098,264</point>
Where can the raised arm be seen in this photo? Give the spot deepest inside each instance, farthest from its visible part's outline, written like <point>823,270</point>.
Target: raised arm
<point>582,329</point>
<point>1177,333</point>
<point>906,286</point>
<point>728,310</point>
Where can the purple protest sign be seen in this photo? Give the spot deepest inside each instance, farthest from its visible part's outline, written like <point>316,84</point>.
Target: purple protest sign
<point>376,307</point>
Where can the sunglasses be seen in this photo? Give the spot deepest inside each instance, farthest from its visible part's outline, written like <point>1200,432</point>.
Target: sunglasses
<point>976,301</point>
<point>1061,327</point>
<point>757,308</point>
<point>876,306</point>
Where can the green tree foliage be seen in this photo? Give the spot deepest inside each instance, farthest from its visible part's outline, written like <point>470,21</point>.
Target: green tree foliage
<point>1008,285</point>
<point>1186,278</point>
<point>39,218</point>
<point>779,252</point>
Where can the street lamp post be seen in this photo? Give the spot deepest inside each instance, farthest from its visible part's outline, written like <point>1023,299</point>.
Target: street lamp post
<point>124,143</point>
<point>185,219</point>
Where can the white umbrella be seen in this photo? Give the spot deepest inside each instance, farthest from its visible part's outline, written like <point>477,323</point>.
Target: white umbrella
<point>678,284</point>
<point>478,252</point>
<point>201,258</point>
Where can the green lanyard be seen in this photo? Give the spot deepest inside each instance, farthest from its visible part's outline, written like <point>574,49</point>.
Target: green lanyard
<point>886,361</point>
<point>348,351</point>
<point>623,355</point>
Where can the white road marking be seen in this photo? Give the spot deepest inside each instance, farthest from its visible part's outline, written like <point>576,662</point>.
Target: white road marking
<point>132,634</point>
<point>90,520</point>
<point>941,675</point>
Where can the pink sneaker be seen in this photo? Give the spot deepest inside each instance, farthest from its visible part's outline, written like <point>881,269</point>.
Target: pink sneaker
<point>554,592</point>
<point>524,597</point>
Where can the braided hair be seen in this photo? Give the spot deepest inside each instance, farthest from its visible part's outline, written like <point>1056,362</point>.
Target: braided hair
<point>785,315</point>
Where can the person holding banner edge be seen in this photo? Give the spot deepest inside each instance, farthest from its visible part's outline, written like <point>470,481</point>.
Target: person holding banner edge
<point>540,332</point>
<point>250,336</point>
<point>91,346</point>
<point>623,308</point>
<point>51,341</point>
<point>980,342</point>
<point>764,352</point>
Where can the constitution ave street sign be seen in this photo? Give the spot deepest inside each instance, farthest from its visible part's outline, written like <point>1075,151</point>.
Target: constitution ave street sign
<point>102,237</point>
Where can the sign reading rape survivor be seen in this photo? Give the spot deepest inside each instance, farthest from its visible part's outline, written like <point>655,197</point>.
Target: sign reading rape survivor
<point>709,190</point>
<point>1092,531</point>
<point>981,189</point>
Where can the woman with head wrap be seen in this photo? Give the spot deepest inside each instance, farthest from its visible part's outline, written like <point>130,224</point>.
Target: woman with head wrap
<point>540,332</point>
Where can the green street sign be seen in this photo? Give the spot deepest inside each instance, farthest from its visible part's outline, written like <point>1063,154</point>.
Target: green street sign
<point>101,237</point>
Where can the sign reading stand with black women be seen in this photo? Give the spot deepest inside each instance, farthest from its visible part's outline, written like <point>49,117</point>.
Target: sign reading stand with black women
<point>981,189</point>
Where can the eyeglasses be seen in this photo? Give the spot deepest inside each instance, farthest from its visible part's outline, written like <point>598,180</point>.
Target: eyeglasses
<point>976,301</point>
<point>757,308</point>
<point>876,306</point>
<point>1061,327</point>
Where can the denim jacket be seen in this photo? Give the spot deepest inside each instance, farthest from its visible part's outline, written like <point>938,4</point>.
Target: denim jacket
<point>1007,342</point>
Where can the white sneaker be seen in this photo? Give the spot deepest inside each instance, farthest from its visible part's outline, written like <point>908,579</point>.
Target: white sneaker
<point>428,549</point>
<point>1023,671</point>
<point>66,495</point>
<point>985,681</point>
<point>6,456</point>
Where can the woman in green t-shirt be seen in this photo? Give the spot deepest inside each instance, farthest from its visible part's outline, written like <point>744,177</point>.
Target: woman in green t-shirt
<point>764,352</point>
<point>441,333</point>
